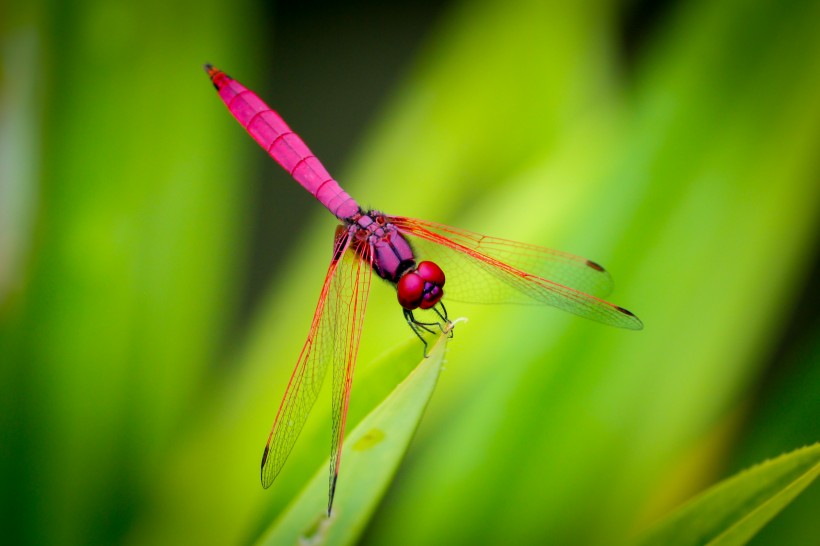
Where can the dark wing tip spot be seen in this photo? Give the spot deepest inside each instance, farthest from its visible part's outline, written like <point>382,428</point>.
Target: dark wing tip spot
<point>626,312</point>
<point>637,325</point>
<point>597,267</point>
<point>265,457</point>
<point>332,493</point>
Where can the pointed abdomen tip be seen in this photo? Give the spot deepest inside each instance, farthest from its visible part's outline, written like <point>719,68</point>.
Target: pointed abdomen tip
<point>218,78</point>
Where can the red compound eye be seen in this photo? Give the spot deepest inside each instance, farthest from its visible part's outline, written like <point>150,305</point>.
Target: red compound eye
<point>431,273</point>
<point>422,287</point>
<point>411,290</point>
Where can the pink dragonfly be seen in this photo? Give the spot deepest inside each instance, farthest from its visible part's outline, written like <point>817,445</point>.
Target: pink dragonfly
<point>479,269</point>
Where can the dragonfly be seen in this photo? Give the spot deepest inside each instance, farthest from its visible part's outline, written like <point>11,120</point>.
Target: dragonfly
<point>410,254</point>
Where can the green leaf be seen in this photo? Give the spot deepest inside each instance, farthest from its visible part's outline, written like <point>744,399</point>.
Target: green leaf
<point>371,456</point>
<point>733,511</point>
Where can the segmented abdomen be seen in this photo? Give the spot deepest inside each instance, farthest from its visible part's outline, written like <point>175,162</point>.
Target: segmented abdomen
<point>283,145</point>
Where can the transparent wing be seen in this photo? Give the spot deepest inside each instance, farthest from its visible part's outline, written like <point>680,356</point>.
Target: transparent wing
<point>560,267</point>
<point>482,269</point>
<point>352,283</point>
<point>335,328</point>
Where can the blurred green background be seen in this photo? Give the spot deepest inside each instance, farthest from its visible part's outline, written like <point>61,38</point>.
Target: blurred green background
<point>158,271</point>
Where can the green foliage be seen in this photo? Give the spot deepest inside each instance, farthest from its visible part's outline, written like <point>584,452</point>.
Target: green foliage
<point>133,409</point>
<point>372,453</point>
<point>733,511</point>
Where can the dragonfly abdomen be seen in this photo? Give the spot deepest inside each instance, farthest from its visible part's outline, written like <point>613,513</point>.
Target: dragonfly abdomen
<point>271,132</point>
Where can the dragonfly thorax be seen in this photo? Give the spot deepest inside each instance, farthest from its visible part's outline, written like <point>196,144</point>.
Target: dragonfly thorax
<point>419,286</point>
<point>391,254</point>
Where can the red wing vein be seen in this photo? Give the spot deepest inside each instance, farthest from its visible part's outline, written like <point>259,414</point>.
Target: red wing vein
<point>354,285</point>
<point>479,277</point>
<point>561,267</point>
<point>308,375</point>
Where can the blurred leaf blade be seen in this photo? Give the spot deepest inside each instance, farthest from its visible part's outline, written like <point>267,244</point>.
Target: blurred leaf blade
<point>733,511</point>
<point>374,380</point>
<point>786,415</point>
<point>373,451</point>
<point>123,307</point>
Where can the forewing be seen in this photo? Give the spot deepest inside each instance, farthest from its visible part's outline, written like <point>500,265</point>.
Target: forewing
<point>482,269</point>
<point>319,350</point>
<point>560,267</point>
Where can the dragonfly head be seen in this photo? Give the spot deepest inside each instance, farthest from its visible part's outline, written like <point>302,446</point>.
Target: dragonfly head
<point>422,287</point>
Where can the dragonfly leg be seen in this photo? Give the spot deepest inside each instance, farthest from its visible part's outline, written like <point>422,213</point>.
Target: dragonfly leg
<point>426,326</point>
<point>442,326</point>
<point>415,326</point>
